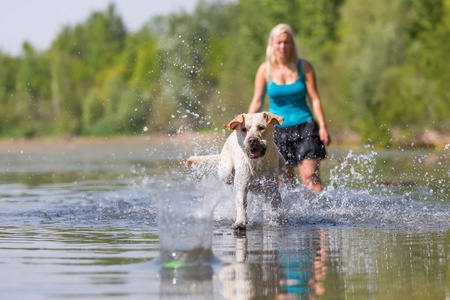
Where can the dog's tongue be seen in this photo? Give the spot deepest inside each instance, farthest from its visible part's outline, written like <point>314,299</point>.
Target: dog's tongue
<point>255,152</point>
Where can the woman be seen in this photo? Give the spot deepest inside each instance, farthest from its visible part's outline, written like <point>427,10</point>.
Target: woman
<point>287,80</point>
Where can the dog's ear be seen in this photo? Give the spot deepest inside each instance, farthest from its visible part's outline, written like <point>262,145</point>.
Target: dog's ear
<point>273,119</point>
<point>235,122</point>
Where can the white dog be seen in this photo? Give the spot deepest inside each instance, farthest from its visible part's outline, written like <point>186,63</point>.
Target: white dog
<point>250,160</point>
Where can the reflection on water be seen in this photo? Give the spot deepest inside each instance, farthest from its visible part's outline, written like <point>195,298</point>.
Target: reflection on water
<point>281,263</point>
<point>191,282</point>
<point>390,264</point>
<point>80,221</point>
<point>48,262</point>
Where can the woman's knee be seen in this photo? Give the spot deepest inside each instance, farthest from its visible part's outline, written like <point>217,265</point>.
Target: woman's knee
<point>309,171</point>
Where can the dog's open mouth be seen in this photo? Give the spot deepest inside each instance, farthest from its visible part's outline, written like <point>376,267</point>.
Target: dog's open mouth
<point>256,152</point>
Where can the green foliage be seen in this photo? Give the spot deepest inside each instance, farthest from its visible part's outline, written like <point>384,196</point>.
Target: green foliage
<point>8,66</point>
<point>371,49</point>
<point>415,94</point>
<point>380,65</point>
<point>93,109</point>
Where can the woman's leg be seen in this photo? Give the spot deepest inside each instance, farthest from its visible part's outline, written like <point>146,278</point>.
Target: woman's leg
<point>309,172</point>
<point>288,176</point>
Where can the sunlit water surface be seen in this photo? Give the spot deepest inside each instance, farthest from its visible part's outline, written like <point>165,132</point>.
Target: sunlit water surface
<point>80,221</point>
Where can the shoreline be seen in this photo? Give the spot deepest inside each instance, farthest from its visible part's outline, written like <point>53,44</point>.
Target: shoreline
<point>43,144</point>
<point>428,140</point>
<point>99,139</point>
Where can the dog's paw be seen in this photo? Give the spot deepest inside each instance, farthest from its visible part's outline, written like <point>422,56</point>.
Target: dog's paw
<point>192,160</point>
<point>239,226</point>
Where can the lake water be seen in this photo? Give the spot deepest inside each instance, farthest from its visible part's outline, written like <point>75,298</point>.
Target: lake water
<point>79,220</point>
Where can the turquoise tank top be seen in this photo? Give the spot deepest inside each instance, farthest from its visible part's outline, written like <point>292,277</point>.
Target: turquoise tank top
<point>289,100</point>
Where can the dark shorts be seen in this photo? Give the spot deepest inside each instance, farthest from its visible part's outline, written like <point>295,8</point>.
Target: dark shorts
<point>300,142</point>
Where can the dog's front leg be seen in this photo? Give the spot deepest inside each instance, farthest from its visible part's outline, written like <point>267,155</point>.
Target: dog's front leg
<point>226,171</point>
<point>240,200</point>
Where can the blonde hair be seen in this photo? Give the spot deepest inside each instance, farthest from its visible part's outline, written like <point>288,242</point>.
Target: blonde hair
<point>270,56</point>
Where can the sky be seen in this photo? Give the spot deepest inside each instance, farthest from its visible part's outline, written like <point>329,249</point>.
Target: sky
<point>39,21</point>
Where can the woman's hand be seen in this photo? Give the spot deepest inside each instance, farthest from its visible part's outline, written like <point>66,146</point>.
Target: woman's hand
<point>324,136</point>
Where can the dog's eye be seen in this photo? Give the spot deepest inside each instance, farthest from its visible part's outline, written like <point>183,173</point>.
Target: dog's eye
<point>244,129</point>
<point>261,128</point>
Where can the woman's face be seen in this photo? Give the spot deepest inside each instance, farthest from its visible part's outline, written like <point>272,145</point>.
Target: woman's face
<point>282,45</point>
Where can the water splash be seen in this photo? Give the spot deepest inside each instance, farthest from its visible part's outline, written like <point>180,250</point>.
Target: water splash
<point>186,86</point>
<point>185,223</point>
<point>358,193</point>
<point>354,170</point>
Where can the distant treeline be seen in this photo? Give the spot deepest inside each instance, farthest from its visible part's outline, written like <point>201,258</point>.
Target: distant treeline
<point>383,68</point>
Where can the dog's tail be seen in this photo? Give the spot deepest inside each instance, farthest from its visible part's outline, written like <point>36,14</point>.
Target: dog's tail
<point>203,159</point>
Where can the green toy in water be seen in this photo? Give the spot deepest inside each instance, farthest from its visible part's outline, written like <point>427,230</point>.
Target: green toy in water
<point>175,264</point>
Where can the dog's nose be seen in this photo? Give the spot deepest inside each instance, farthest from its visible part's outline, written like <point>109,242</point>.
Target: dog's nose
<point>252,141</point>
